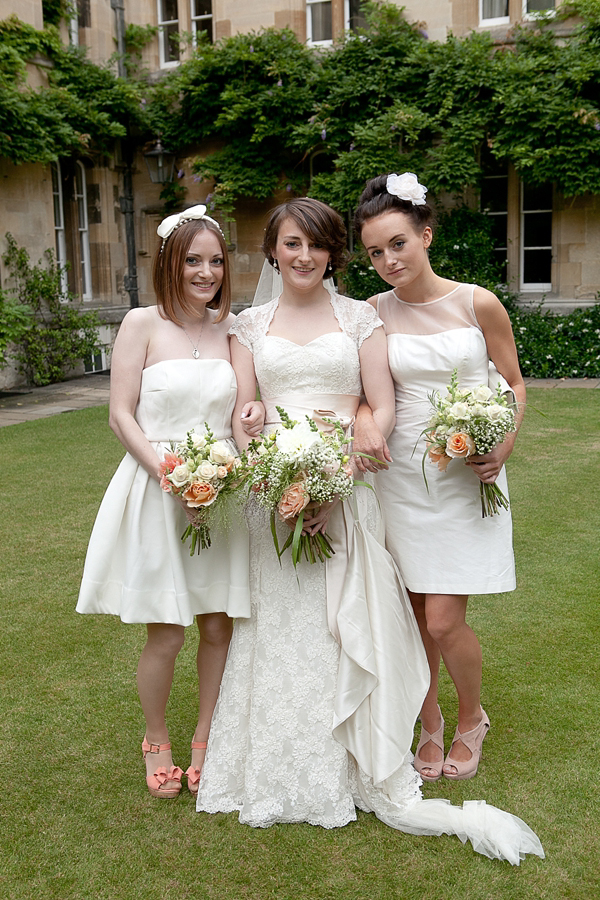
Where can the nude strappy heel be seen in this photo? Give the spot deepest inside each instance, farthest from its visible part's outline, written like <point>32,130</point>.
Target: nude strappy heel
<point>472,740</point>
<point>436,738</point>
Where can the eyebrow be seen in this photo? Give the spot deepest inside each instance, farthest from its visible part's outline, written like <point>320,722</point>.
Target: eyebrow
<point>391,241</point>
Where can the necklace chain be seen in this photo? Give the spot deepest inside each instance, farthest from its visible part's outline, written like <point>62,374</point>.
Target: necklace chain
<point>195,351</point>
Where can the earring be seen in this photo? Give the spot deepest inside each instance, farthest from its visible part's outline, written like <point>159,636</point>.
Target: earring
<point>275,265</point>
<point>328,268</point>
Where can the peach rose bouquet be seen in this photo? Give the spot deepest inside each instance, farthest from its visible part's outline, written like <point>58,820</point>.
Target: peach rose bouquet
<point>297,467</point>
<point>466,423</point>
<point>203,472</point>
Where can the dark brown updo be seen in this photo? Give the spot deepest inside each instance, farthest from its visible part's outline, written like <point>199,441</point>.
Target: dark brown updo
<point>376,200</point>
<point>318,221</point>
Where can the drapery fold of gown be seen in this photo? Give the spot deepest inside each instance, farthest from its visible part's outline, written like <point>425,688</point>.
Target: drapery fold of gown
<point>305,730</point>
<point>137,566</point>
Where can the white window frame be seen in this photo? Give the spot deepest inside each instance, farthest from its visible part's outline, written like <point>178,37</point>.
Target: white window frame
<point>530,285</point>
<point>165,64</point>
<point>497,20</point>
<point>74,27</point>
<point>60,242</point>
<point>196,19</point>
<point>84,233</point>
<point>309,39</point>
<point>532,16</point>
<point>504,212</point>
<point>104,337</point>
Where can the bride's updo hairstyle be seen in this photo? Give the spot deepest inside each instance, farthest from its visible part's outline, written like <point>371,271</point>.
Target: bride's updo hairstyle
<point>167,271</point>
<point>319,222</point>
<point>376,200</point>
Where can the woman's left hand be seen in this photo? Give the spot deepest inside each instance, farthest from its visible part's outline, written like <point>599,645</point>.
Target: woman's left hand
<point>253,417</point>
<point>487,466</point>
<point>316,520</point>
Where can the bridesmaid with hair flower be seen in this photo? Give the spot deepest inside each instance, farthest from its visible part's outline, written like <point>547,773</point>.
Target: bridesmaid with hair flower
<point>171,372</point>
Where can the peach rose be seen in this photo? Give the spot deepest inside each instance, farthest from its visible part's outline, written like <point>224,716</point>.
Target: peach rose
<point>460,445</point>
<point>170,462</point>
<point>200,494</point>
<point>221,471</point>
<point>294,499</point>
<point>438,455</point>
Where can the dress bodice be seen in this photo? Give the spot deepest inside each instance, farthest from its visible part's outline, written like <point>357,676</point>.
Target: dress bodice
<point>328,364</point>
<point>179,394</point>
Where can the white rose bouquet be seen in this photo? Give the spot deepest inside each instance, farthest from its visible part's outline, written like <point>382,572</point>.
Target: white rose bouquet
<point>296,469</point>
<point>202,471</point>
<point>466,423</point>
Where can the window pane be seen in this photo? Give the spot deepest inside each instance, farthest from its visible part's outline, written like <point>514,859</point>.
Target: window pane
<point>494,194</point>
<point>538,230</point>
<point>537,266</point>
<point>494,9</point>
<point>357,18</point>
<point>500,257</point>
<point>499,233</point>
<point>320,14</point>
<point>537,197</point>
<point>170,39</point>
<point>202,7</point>
<point>168,11</point>
<point>204,25</point>
<point>539,5</point>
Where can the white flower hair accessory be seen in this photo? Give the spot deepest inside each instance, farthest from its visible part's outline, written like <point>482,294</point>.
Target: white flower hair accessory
<point>407,187</point>
<point>168,225</point>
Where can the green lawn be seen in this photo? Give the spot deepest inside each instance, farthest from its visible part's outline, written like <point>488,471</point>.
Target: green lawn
<point>76,820</point>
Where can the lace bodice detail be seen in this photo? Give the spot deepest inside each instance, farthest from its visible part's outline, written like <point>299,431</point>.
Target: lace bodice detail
<point>454,310</point>
<point>329,362</point>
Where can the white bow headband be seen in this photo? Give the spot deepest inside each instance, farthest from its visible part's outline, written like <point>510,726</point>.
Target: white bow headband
<point>407,187</point>
<point>168,225</point>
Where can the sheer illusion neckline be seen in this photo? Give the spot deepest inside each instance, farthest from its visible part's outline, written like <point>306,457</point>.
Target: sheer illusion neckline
<point>426,302</point>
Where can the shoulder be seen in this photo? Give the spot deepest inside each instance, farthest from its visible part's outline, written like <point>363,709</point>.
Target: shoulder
<point>140,321</point>
<point>485,302</point>
<point>373,300</point>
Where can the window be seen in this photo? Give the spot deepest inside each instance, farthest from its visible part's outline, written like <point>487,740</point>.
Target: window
<point>531,7</point>
<point>98,362</point>
<point>80,196</point>
<point>60,244</point>
<point>494,203</point>
<point>319,27</point>
<point>353,15</point>
<point>494,12</point>
<point>202,20</point>
<point>168,37</point>
<point>536,237</point>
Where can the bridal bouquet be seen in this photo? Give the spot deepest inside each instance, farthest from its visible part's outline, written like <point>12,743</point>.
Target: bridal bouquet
<point>297,469</point>
<point>465,423</point>
<point>202,471</point>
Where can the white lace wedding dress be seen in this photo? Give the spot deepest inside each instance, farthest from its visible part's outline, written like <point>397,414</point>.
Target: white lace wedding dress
<point>307,727</point>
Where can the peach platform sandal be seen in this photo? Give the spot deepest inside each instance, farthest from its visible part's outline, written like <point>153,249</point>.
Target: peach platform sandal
<point>162,775</point>
<point>192,772</point>
<point>473,740</point>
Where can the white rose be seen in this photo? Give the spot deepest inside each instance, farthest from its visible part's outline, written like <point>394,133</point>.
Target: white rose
<point>441,430</point>
<point>180,475</point>
<point>219,453</point>
<point>478,410</point>
<point>221,471</point>
<point>495,412</point>
<point>206,470</point>
<point>198,440</point>
<point>296,441</point>
<point>407,187</point>
<point>459,410</point>
<point>481,393</point>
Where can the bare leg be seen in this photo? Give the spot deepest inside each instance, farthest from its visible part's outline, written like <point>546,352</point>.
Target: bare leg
<point>461,652</point>
<point>430,717</point>
<point>154,679</point>
<point>215,634</point>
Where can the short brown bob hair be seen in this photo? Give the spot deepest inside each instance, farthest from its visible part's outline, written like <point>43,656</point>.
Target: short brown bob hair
<point>317,220</point>
<point>375,201</point>
<point>167,272</point>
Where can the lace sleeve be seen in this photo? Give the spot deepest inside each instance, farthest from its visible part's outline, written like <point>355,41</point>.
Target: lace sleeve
<point>357,318</point>
<point>252,324</point>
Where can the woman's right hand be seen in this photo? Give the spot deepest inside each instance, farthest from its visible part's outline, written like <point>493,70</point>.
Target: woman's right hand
<point>369,439</point>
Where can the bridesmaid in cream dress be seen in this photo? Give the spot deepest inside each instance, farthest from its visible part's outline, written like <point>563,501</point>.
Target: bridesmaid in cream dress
<point>444,548</point>
<point>171,372</point>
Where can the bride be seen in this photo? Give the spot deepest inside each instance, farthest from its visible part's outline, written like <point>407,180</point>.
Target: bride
<point>323,683</point>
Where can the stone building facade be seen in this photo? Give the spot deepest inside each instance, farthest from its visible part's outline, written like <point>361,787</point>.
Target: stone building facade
<point>79,209</point>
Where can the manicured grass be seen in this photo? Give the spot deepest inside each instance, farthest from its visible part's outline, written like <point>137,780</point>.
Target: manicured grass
<point>77,821</point>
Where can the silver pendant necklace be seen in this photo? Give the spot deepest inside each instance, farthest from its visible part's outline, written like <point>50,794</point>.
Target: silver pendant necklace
<point>195,351</point>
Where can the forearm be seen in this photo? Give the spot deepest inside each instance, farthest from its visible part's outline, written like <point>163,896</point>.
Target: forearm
<point>135,442</point>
